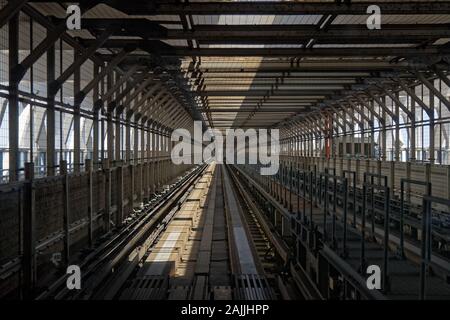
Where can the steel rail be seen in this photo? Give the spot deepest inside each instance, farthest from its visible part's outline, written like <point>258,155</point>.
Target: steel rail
<point>109,254</point>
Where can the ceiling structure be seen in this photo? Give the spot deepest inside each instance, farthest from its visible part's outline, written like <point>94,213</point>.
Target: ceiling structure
<point>261,64</point>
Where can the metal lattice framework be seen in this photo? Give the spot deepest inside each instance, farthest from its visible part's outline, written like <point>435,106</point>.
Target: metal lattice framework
<point>313,68</point>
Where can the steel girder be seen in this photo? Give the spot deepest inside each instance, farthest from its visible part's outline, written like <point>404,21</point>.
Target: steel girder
<point>79,96</point>
<point>10,10</point>
<point>57,83</point>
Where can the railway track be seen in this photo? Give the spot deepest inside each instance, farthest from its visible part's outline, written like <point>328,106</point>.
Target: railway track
<point>330,233</point>
<point>100,264</point>
<point>204,240</point>
<point>205,251</point>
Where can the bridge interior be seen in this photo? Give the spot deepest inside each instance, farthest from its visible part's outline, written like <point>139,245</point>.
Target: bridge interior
<point>355,94</point>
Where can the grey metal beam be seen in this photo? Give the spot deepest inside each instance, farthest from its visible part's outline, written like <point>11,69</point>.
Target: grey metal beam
<point>337,112</point>
<point>310,53</point>
<point>13,109</point>
<point>267,32</point>
<point>52,36</point>
<point>95,123</point>
<point>397,101</point>
<point>278,8</point>
<point>79,96</point>
<point>125,92</point>
<point>116,86</point>
<point>51,133</point>
<point>178,51</point>
<point>360,111</point>
<point>57,83</point>
<point>76,122</point>
<point>433,89</point>
<point>160,105</point>
<point>352,115</point>
<point>443,77</point>
<point>143,86</point>
<point>3,108</point>
<point>382,105</point>
<point>147,95</point>
<point>413,95</point>
<point>370,108</point>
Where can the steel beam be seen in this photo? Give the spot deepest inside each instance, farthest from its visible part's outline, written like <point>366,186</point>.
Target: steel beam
<point>79,96</point>
<point>397,101</point>
<point>52,36</point>
<point>55,85</point>
<point>51,133</point>
<point>433,89</point>
<point>116,86</point>
<point>277,8</point>
<point>382,105</point>
<point>300,52</point>
<point>13,105</point>
<point>10,10</point>
<point>413,95</point>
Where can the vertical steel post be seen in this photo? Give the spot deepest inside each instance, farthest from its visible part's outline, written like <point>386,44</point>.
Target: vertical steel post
<point>88,168</point>
<point>333,230</point>
<point>426,204</point>
<point>13,103</point>
<point>402,212</point>
<point>107,184</point>
<point>363,230</point>
<point>66,207</point>
<point>386,240</point>
<point>29,234</point>
<point>344,237</point>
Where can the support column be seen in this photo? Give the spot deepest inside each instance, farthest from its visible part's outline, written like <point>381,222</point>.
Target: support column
<point>136,139</point>
<point>107,188</point>
<point>76,121</point>
<point>13,103</point>
<point>431,115</point>
<point>66,208</point>
<point>142,162</point>
<point>118,138</point>
<point>157,158</point>
<point>29,234</point>
<point>169,160</point>
<point>109,123</point>
<point>153,163</point>
<point>397,131</point>
<point>88,168</point>
<point>383,134</point>
<point>50,113</point>
<point>412,151</point>
<point>95,124</point>
<point>128,137</point>
<point>120,213</point>
<point>148,162</point>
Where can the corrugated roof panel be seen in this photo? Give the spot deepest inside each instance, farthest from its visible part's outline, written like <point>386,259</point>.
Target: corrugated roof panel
<point>85,34</point>
<point>104,11</point>
<point>177,43</point>
<point>50,9</point>
<point>394,19</point>
<point>255,19</point>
